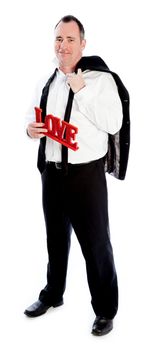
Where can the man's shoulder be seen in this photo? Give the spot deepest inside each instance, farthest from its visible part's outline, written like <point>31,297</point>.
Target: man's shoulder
<point>43,80</point>
<point>98,76</point>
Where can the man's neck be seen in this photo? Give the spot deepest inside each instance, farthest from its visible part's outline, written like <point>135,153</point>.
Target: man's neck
<point>69,69</point>
<point>66,69</point>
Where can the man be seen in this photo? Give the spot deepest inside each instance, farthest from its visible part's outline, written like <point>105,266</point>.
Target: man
<point>74,190</point>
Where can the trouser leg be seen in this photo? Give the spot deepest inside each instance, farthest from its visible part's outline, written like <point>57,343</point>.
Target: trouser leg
<point>58,230</point>
<point>89,217</point>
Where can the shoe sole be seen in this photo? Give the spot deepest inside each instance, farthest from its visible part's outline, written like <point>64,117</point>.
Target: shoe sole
<point>42,313</point>
<point>58,304</point>
<point>102,333</point>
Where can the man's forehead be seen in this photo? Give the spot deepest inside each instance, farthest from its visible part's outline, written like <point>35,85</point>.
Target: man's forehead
<point>69,29</point>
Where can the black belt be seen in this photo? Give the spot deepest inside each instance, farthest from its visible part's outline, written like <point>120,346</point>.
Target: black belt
<point>59,165</point>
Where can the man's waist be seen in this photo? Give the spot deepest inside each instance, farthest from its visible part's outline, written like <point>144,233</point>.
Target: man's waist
<point>59,165</point>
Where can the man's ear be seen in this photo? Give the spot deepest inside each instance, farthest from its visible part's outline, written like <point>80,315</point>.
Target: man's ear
<point>83,44</point>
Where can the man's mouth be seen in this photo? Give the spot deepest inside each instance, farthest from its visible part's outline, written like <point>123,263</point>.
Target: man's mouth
<point>63,53</point>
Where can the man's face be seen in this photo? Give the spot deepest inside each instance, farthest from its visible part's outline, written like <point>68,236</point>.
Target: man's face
<point>68,44</point>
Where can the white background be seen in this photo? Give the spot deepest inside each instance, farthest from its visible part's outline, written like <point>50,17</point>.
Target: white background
<point>122,33</point>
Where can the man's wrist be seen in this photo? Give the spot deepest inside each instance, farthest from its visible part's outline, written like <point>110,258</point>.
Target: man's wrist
<point>80,88</point>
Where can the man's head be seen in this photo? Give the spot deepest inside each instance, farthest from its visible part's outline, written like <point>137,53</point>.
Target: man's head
<point>69,42</point>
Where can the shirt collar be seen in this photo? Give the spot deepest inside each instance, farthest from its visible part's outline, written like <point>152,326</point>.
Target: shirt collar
<point>59,74</point>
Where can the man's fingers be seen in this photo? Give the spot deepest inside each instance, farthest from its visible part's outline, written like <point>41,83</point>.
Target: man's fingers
<point>39,136</point>
<point>36,125</point>
<point>36,132</point>
<point>79,72</point>
<point>39,131</point>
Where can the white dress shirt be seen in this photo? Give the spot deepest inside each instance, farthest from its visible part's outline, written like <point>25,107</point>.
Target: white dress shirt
<point>96,112</point>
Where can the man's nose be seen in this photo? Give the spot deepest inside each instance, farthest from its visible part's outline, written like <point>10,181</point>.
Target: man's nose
<point>64,44</point>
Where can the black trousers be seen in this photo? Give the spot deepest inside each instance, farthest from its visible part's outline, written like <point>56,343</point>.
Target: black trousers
<point>79,200</point>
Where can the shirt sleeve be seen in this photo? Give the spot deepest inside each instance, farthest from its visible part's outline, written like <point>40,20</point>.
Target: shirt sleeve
<point>99,101</point>
<point>35,101</point>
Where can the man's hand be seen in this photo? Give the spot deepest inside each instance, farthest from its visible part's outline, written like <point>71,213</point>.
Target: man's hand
<point>76,81</point>
<point>36,130</point>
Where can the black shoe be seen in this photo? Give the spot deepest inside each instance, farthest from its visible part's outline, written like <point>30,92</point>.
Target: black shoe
<point>39,308</point>
<point>101,326</point>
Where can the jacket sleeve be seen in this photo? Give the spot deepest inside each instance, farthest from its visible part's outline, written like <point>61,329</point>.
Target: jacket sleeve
<point>99,101</point>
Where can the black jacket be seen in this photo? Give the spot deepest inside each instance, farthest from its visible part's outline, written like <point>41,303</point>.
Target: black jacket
<point>116,159</point>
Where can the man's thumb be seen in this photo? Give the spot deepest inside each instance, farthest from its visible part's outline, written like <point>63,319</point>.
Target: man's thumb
<point>79,72</point>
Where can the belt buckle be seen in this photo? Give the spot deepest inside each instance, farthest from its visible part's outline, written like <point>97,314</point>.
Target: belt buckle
<point>58,166</point>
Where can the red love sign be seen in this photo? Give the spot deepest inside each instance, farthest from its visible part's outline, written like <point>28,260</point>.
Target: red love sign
<point>58,129</point>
